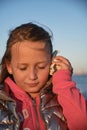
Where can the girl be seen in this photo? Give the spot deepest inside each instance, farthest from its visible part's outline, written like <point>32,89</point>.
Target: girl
<point>43,101</point>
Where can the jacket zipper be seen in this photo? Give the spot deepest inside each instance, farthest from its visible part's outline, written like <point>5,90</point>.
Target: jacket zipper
<point>37,120</point>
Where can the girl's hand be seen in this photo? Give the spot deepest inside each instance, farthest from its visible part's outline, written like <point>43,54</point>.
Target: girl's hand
<point>60,63</point>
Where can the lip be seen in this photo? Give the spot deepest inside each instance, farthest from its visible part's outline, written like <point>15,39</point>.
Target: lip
<point>32,84</point>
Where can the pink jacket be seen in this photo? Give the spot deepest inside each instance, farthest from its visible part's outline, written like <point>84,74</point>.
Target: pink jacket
<point>69,97</point>
<point>71,100</point>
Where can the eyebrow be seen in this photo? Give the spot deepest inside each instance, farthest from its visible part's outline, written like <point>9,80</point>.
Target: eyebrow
<point>40,62</point>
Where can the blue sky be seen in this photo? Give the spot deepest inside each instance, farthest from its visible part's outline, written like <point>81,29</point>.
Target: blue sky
<point>66,18</point>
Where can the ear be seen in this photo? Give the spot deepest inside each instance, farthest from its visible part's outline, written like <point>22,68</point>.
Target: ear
<point>8,66</point>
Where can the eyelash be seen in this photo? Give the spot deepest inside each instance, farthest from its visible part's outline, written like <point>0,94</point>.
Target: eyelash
<point>41,67</point>
<point>22,69</point>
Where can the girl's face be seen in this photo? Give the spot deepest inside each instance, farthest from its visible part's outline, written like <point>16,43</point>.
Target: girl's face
<point>29,66</point>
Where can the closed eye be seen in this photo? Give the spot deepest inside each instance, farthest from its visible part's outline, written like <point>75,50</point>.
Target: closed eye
<point>23,68</point>
<point>41,67</point>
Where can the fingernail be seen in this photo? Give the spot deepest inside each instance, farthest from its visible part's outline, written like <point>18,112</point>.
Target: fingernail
<point>55,60</point>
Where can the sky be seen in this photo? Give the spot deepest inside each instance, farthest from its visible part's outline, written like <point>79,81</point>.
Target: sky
<point>67,20</point>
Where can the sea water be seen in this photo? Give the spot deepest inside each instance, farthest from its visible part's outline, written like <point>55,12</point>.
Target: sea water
<point>81,83</point>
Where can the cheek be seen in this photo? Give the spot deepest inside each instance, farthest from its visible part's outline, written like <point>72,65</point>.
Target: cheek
<point>18,77</point>
<point>44,76</point>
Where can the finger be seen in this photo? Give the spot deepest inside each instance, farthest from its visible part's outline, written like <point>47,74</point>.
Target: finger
<point>63,65</point>
<point>61,59</point>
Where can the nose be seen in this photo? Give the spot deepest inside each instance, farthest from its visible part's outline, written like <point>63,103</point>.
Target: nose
<point>32,74</point>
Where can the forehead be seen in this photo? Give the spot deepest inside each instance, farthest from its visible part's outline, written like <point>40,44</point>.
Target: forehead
<point>28,49</point>
<point>30,44</point>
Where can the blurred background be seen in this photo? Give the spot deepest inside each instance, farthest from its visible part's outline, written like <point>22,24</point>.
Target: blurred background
<point>66,18</point>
